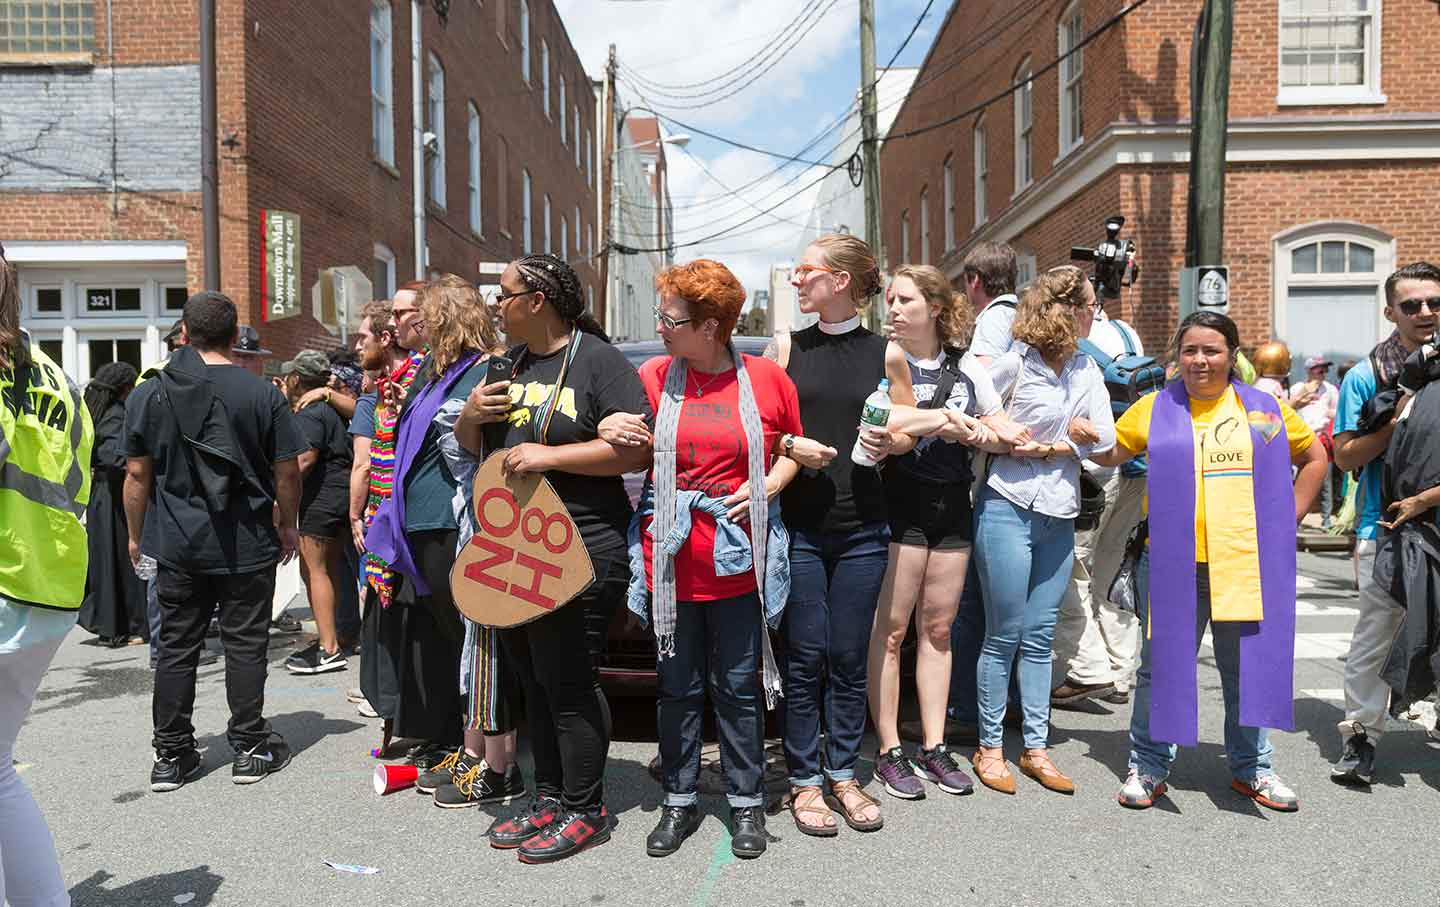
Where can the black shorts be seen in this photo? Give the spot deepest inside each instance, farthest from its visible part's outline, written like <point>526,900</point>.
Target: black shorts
<point>323,523</point>
<point>928,514</point>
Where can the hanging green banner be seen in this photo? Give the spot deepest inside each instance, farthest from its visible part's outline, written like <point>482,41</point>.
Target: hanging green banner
<point>280,252</point>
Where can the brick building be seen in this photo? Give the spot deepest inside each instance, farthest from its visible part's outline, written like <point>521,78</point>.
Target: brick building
<point>100,154</point>
<point>1332,166</point>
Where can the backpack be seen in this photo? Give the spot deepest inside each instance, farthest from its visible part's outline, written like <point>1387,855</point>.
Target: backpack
<point>1127,378</point>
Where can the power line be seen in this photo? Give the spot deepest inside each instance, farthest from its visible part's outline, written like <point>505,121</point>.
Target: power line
<point>681,89</point>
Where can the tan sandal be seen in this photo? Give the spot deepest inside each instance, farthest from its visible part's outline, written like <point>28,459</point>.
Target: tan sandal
<point>811,815</point>
<point>847,798</point>
<point>992,771</point>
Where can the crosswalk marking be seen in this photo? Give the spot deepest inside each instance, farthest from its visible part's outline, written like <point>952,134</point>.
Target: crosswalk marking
<point>1310,646</point>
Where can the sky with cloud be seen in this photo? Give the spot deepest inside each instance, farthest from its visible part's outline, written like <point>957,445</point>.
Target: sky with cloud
<point>773,74</point>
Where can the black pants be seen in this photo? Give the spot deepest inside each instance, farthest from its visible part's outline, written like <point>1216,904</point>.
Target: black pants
<point>717,646</point>
<point>429,705</point>
<point>381,639</point>
<point>555,659</point>
<point>187,602</point>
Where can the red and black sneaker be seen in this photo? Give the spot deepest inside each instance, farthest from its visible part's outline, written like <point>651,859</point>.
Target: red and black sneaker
<point>566,836</point>
<point>507,834</point>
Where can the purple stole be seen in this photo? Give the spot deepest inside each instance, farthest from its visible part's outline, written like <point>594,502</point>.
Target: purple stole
<point>1267,647</point>
<point>386,535</point>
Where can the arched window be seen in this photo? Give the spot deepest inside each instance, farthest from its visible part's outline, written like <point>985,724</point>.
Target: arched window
<point>1329,292</point>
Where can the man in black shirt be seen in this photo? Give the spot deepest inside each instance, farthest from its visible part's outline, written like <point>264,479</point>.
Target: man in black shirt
<point>324,510</point>
<point>211,453</point>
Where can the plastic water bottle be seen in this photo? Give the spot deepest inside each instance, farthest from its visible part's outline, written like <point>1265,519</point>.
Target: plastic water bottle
<point>876,414</point>
<point>146,568</point>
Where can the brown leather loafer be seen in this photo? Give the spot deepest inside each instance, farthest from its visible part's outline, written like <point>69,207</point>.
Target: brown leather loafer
<point>992,771</point>
<point>1036,764</point>
<point>1072,691</point>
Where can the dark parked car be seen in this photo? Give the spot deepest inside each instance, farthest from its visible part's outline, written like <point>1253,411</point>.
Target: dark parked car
<point>629,666</point>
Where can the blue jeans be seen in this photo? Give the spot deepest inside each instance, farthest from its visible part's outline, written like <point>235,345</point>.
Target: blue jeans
<point>717,646</point>
<point>1025,559</point>
<point>835,582</point>
<point>1247,748</point>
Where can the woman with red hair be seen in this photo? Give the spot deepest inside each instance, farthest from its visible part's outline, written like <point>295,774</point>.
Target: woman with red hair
<point>707,547</point>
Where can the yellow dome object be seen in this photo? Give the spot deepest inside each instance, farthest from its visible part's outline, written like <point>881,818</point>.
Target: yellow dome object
<point>1272,359</point>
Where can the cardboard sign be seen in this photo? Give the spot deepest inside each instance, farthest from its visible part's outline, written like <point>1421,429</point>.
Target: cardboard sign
<point>526,558</point>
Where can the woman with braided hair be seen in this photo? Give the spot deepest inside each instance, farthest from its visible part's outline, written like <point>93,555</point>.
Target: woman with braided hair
<point>114,607</point>
<point>567,378</point>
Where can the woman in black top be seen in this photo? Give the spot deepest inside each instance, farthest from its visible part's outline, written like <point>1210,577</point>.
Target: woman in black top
<point>114,607</point>
<point>564,356</point>
<point>836,514</point>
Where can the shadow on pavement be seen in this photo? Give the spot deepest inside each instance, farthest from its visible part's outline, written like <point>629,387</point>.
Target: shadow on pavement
<point>193,887</point>
<point>301,731</point>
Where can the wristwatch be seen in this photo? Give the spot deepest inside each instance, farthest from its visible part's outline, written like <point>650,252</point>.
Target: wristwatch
<point>788,444</point>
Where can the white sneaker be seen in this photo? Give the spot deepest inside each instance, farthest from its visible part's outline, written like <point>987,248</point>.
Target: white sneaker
<point>366,710</point>
<point>1269,791</point>
<point>1140,791</point>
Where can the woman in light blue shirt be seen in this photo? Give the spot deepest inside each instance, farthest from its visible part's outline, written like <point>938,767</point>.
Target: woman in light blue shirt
<point>1025,534</point>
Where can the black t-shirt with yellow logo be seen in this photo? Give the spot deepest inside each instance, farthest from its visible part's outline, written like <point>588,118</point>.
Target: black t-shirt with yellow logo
<point>600,382</point>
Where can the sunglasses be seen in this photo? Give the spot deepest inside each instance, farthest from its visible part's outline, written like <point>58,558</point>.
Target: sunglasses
<point>669,323</point>
<point>499,298</point>
<point>1411,307</point>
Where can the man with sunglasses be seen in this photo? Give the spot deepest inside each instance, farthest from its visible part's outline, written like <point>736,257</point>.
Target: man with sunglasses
<point>1412,303</point>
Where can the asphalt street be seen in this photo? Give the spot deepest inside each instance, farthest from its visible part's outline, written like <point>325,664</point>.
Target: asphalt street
<point>86,755</point>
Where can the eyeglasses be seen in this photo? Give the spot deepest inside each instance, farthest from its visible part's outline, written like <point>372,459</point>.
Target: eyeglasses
<point>669,323</point>
<point>498,298</point>
<point>1411,307</point>
<point>804,271</point>
<point>402,313</point>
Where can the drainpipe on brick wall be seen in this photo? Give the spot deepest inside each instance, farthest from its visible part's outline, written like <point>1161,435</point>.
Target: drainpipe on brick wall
<point>417,143</point>
<point>209,153</point>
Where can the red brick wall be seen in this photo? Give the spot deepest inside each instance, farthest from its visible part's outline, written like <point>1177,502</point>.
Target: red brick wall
<point>1138,72</point>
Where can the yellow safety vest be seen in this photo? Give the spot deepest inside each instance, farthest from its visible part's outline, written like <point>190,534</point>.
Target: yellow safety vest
<point>45,440</point>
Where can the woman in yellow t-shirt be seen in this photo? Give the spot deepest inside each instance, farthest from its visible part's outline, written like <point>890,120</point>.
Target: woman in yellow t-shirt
<point>1216,483</point>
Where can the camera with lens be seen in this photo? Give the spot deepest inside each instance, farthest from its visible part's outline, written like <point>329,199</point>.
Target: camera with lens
<point>1115,265</point>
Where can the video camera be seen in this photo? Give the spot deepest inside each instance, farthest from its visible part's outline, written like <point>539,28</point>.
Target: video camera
<point>1115,265</point>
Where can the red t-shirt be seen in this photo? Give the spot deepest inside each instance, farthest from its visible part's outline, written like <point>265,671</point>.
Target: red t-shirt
<point>711,457</point>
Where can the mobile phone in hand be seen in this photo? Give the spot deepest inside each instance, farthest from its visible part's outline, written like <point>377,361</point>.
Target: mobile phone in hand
<point>501,368</point>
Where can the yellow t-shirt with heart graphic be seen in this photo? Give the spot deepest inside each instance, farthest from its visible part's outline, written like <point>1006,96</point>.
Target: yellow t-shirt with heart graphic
<point>1132,430</point>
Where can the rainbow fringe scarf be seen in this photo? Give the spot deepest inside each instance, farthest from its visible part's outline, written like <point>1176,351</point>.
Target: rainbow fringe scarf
<point>1267,645</point>
<point>382,465</point>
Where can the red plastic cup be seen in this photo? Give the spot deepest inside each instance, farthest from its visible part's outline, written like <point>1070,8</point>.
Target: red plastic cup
<point>391,778</point>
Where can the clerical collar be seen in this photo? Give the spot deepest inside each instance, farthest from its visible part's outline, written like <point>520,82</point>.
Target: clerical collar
<point>840,327</point>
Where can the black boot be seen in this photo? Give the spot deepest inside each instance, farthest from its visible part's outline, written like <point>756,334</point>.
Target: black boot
<point>747,831</point>
<point>676,824</point>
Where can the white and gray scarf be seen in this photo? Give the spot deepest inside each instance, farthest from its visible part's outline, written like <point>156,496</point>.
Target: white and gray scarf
<point>667,426</point>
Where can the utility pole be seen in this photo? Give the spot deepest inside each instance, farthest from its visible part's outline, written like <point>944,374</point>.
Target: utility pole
<point>870,147</point>
<point>1205,282</point>
<point>417,141</point>
<point>209,154</point>
<point>608,196</point>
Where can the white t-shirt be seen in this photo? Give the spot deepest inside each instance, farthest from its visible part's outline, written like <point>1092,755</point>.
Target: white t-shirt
<point>1318,412</point>
<point>992,327</point>
<point>1105,333</point>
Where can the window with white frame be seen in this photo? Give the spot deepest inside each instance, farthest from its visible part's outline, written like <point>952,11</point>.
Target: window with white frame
<point>924,226</point>
<point>1072,67</point>
<point>545,75</point>
<point>564,132</point>
<point>525,40</point>
<point>1329,52</point>
<point>950,203</point>
<point>473,134</point>
<point>1024,124</point>
<point>904,237</point>
<point>590,241</point>
<point>435,122</point>
<point>564,238</point>
<point>502,185</point>
<point>382,273</point>
<point>589,160</point>
<point>526,244</point>
<point>546,226</point>
<point>577,139</point>
<point>1024,269</point>
<point>577,230</point>
<point>982,174</point>
<point>1329,293</point>
<point>382,85</point>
